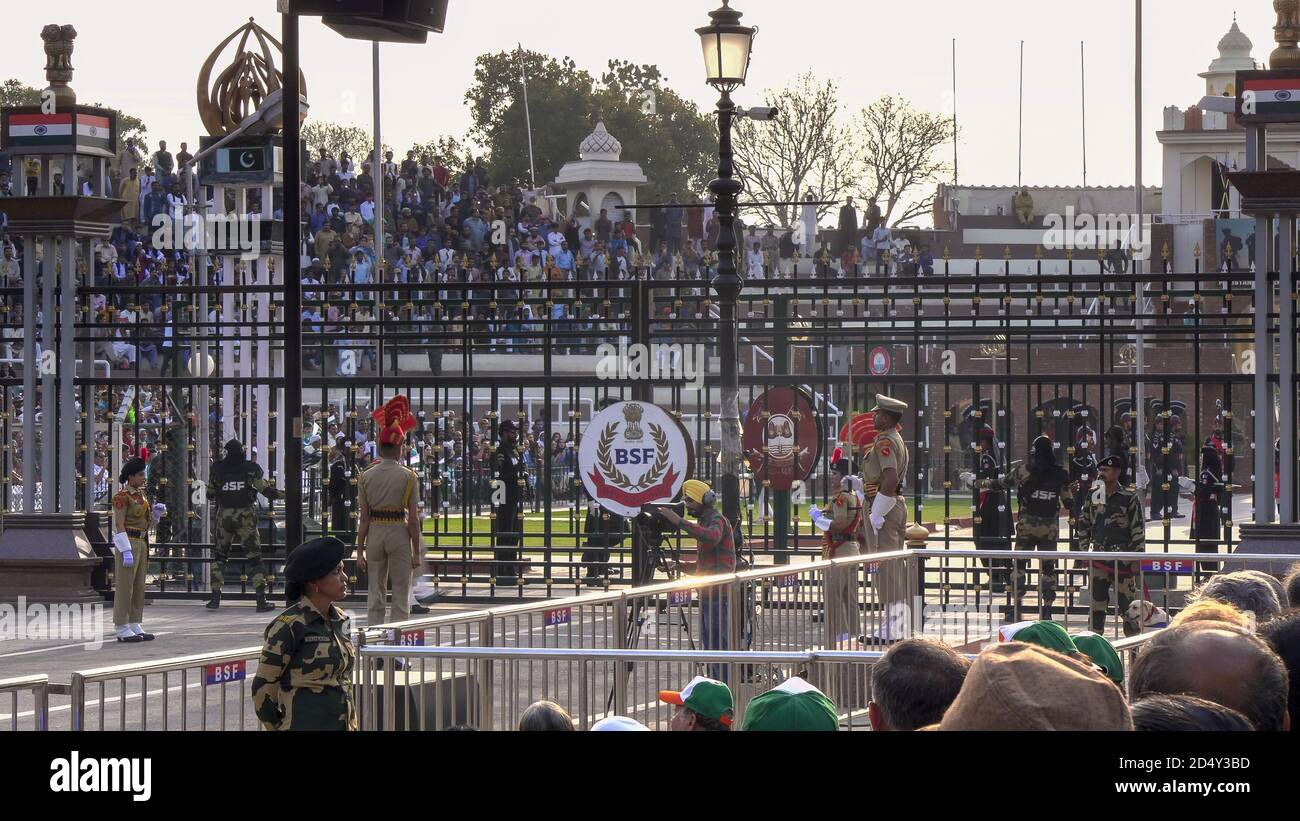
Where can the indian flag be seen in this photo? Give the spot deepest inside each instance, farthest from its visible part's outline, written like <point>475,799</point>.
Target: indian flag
<point>93,132</point>
<point>39,129</point>
<point>1272,96</point>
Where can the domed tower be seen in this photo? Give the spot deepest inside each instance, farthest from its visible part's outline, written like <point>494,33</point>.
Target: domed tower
<point>599,178</point>
<point>1234,55</point>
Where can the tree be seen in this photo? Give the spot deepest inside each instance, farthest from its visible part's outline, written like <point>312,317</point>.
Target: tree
<point>449,150</point>
<point>807,147</point>
<point>659,129</point>
<point>336,138</point>
<point>899,144</point>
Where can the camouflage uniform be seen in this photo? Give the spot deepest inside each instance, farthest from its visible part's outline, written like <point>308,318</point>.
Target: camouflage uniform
<point>1041,496</point>
<point>1112,523</point>
<point>235,489</point>
<point>304,677</point>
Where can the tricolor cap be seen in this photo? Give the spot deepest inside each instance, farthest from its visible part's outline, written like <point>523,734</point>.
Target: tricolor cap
<point>793,706</point>
<point>709,698</point>
<point>1102,652</point>
<point>619,724</point>
<point>1045,633</point>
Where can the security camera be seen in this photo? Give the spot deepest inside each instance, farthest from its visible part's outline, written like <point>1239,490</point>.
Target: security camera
<point>762,113</point>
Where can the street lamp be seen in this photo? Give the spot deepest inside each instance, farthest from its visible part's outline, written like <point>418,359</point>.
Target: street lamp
<point>727,46</point>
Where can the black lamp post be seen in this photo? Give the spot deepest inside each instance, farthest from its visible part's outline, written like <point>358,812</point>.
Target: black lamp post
<point>727,45</point>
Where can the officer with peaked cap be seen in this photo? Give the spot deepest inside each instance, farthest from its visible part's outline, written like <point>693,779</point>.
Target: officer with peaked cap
<point>304,676</point>
<point>132,518</point>
<point>884,470</point>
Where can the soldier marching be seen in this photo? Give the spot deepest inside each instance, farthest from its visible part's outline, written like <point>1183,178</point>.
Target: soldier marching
<point>132,519</point>
<point>233,486</point>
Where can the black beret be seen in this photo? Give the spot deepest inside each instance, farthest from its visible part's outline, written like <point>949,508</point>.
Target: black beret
<point>507,426</point>
<point>1112,461</point>
<point>841,466</point>
<point>310,561</point>
<point>131,468</point>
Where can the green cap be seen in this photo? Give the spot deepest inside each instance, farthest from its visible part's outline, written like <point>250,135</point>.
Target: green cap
<point>705,696</point>
<point>794,706</point>
<point>1047,634</point>
<point>1102,652</point>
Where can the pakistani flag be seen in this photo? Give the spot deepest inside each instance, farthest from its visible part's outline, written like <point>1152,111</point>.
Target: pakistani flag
<point>39,130</point>
<point>1272,97</point>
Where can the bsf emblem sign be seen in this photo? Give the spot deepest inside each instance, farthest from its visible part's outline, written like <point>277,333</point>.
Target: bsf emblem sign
<point>633,454</point>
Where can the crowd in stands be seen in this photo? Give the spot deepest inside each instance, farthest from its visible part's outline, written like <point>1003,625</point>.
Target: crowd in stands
<point>1229,662</point>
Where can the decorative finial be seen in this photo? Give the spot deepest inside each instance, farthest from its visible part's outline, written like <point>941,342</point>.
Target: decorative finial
<point>58,62</point>
<point>1287,34</point>
<point>237,90</point>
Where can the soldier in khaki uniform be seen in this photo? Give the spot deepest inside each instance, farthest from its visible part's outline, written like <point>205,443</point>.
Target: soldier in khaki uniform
<point>840,532</point>
<point>388,538</point>
<point>132,518</point>
<point>884,467</point>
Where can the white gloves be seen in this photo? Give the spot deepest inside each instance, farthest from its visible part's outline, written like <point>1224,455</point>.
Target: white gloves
<point>1142,480</point>
<point>967,477</point>
<point>159,511</point>
<point>819,519</point>
<point>122,544</point>
<point>880,508</point>
<point>1187,485</point>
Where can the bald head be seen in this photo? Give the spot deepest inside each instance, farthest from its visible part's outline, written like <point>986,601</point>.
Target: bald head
<point>1219,662</point>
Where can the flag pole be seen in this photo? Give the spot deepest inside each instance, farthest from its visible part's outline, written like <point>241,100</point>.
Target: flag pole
<point>528,119</point>
<point>1083,109</point>
<point>954,112</point>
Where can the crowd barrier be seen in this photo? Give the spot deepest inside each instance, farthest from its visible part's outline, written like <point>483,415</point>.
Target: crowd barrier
<point>209,691</point>
<point>27,695</point>
<point>489,688</point>
<point>944,594</point>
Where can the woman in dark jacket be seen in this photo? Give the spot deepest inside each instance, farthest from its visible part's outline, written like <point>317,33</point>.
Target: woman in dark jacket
<point>1207,508</point>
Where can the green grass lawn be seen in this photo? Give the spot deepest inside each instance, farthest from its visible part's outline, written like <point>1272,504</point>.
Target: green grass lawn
<point>449,532</point>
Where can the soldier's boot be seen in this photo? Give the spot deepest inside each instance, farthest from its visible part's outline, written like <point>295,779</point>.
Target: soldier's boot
<point>215,600</point>
<point>263,606</point>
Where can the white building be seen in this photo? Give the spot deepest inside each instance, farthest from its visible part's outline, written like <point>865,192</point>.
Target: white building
<point>1200,147</point>
<point>599,179</point>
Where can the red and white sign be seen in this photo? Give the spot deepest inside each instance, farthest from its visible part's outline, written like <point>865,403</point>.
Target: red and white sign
<point>631,455</point>
<point>558,616</point>
<point>226,671</point>
<point>879,361</point>
<point>411,638</point>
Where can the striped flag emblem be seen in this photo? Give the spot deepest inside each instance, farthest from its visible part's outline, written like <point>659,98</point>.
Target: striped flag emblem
<point>92,131</point>
<point>1272,96</point>
<point>39,129</point>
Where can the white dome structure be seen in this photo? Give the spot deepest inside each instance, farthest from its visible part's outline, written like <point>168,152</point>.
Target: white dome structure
<point>599,178</point>
<point>601,145</point>
<point>1234,56</point>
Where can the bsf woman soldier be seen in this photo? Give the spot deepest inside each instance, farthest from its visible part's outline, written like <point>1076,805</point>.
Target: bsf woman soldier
<point>132,518</point>
<point>304,677</point>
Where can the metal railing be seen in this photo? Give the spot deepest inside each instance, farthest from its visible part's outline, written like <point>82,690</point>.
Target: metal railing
<point>489,688</point>
<point>223,700</point>
<point>22,692</point>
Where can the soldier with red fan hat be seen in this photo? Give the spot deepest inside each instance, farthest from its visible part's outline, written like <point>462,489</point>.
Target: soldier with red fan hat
<point>388,535</point>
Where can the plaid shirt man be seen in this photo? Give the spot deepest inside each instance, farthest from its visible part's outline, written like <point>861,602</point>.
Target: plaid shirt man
<point>716,543</point>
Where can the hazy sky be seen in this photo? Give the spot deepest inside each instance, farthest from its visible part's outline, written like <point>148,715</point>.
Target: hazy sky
<point>147,61</point>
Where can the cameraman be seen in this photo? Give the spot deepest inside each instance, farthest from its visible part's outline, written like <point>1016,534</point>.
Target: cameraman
<point>715,554</point>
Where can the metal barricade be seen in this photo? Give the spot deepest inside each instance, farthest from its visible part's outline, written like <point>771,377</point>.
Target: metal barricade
<point>162,690</point>
<point>27,696</point>
<point>960,587</point>
<point>415,688</point>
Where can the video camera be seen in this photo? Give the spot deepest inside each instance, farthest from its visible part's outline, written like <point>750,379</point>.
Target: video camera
<point>652,530</point>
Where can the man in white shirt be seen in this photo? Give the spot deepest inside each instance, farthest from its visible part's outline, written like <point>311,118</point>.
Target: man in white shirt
<point>320,192</point>
<point>754,261</point>
<point>367,209</point>
<point>554,240</point>
<point>882,239</point>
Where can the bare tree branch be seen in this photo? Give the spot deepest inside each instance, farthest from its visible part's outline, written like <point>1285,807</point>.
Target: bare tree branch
<point>805,149</point>
<point>899,146</point>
